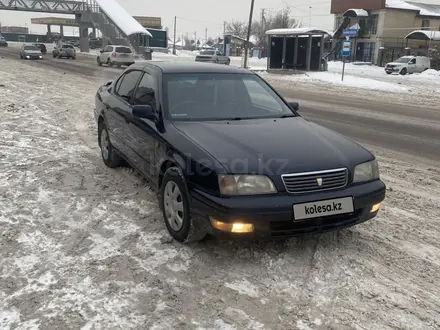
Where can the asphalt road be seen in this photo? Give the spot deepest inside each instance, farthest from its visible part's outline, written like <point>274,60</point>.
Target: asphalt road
<point>407,129</point>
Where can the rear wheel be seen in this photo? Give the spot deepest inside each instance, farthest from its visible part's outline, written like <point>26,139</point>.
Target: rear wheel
<point>108,153</point>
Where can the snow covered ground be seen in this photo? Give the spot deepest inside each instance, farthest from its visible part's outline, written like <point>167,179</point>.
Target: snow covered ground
<point>84,247</point>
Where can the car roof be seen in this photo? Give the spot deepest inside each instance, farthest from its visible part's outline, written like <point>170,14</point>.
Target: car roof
<point>189,67</point>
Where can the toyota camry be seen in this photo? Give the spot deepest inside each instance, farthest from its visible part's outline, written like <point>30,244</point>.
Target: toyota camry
<point>230,157</point>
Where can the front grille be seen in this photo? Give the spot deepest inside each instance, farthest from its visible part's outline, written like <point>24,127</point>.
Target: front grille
<point>315,181</point>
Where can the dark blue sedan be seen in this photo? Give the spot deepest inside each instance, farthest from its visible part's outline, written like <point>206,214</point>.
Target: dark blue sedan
<point>230,156</point>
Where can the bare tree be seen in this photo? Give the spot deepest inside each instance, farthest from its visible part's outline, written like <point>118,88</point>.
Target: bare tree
<point>282,19</point>
<point>237,28</point>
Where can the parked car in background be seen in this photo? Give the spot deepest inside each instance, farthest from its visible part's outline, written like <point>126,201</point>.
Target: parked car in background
<point>409,64</point>
<point>213,56</point>
<point>42,47</point>
<point>64,50</point>
<point>115,56</point>
<point>3,42</point>
<point>30,52</point>
<point>230,156</point>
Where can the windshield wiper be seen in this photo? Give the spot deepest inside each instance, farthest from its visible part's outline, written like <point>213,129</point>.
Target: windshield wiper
<point>286,116</point>
<point>235,118</point>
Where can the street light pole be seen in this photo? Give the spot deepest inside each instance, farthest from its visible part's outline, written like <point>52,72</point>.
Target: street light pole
<point>310,16</point>
<point>246,46</point>
<point>174,43</point>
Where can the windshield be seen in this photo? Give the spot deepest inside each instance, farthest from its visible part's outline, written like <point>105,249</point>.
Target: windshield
<point>404,59</point>
<point>124,50</point>
<point>208,96</point>
<point>31,48</point>
<point>207,52</point>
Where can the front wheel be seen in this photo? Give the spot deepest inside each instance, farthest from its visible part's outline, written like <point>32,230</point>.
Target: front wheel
<point>388,72</point>
<point>228,62</point>
<point>175,208</point>
<point>108,153</point>
<point>98,60</point>
<point>404,71</point>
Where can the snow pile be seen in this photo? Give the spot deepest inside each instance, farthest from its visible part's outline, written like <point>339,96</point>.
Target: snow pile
<point>330,78</point>
<point>431,72</point>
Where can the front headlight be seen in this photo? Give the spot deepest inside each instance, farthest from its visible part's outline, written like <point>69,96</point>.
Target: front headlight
<point>236,185</point>
<point>366,172</point>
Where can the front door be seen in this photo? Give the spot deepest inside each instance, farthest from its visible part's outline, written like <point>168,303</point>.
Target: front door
<point>118,111</point>
<point>144,131</point>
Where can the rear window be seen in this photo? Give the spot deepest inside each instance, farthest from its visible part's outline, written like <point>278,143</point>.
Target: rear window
<point>67,46</point>
<point>207,52</point>
<point>31,48</point>
<point>124,50</point>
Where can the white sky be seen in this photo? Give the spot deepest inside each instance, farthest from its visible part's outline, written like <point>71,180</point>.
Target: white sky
<point>195,15</point>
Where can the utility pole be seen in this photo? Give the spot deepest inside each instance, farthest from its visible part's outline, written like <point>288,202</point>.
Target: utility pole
<point>182,42</point>
<point>246,46</point>
<point>206,35</point>
<point>174,45</point>
<point>195,39</point>
<point>310,16</point>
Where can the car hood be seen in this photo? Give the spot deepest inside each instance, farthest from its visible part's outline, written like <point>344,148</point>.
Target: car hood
<point>274,146</point>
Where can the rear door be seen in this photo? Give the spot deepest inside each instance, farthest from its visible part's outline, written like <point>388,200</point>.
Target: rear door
<point>118,111</point>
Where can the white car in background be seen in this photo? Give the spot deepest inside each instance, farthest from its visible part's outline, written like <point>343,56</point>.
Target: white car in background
<point>213,56</point>
<point>409,64</point>
<point>115,56</point>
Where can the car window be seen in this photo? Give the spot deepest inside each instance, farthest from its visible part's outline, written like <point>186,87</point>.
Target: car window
<point>259,97</point>
<point>67,46</point>
<point>108,49</point>
<point>222,96</point>
<point>124,50</point>
<point>30,48</point>
<point>413,61</point>
<point>126,88</point>
<point>207,52</point>
<point>145,93</point>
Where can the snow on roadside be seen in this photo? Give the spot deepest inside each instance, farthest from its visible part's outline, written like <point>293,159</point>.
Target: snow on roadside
<point>84,247</point>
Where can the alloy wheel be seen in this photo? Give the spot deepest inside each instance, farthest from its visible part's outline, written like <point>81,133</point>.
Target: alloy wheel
<point>173,205</point>
<point>104,142</point>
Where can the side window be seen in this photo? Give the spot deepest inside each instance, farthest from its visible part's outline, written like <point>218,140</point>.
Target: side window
<point>145,92</point>
<point>260,97</point>
<point>127,85</point>
<point>413,61</point>
<point>108,49</point>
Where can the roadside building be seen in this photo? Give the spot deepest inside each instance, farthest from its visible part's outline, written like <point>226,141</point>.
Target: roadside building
<point>383,25</point>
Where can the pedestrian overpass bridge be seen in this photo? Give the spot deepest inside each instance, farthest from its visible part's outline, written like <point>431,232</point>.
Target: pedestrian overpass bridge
<point>115,23</point>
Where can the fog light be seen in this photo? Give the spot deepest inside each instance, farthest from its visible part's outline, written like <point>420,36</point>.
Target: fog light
<point>27,57</point>
<point>375,207</point>
<point>233,227</point>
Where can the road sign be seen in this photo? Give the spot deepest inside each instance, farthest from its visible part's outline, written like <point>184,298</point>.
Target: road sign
<point>346,48</point>
<point>350,32</point>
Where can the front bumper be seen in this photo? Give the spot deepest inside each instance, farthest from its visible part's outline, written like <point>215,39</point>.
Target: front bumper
<point>392,69</point>
<point>272,216</point>
<point>33,57</point>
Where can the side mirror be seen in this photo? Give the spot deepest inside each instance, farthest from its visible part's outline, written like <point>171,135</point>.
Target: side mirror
<point>143,111</point>
<point>294,106</point>
<point>101,51</point>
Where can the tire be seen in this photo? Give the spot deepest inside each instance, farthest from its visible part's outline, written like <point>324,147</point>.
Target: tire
<point>186,231</point>
<point>388,72</point>
<point>228,62</point>
<point>404,71</point>
<point>53,54</point>
<point>108,62</point>
<point>216,61</point>
<point>98,60</point>
<point>74,58</point>
<point>110,157</point>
